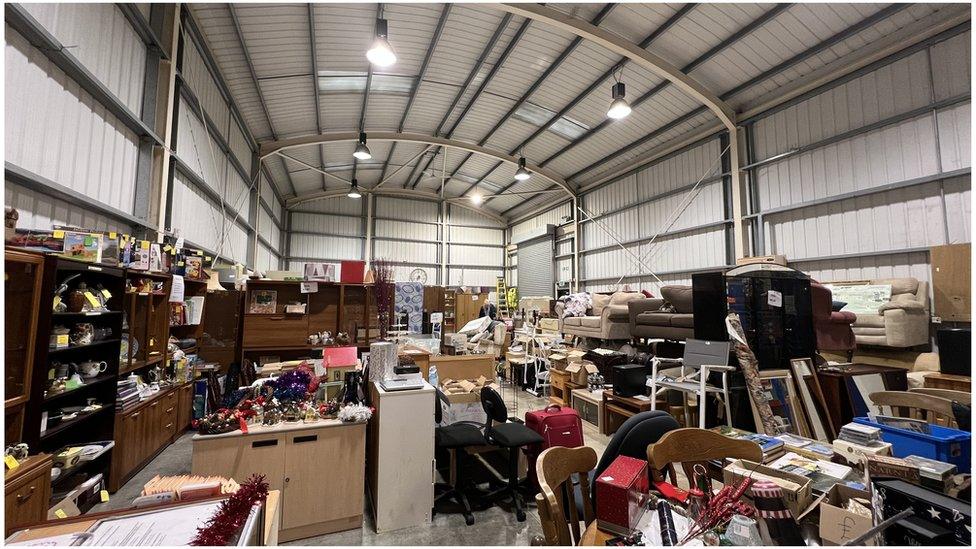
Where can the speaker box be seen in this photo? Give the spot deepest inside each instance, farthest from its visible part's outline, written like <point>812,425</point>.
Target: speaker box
<point>629,380</point>
<point>955,345</point>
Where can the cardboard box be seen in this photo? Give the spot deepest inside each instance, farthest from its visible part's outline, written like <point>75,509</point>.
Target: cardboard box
<point>855,453</point>
<point>837,524</point>
<point>580,370</point>
<point>352,271</point>
<point>621,491</point>
<point>796,489</point>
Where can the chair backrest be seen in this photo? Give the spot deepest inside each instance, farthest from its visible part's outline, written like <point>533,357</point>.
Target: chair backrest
<point>438,411</point>
<point>691,446</point>
<point>962,397</point>
<point>494,406</point>
<point>633,437</point>
<point>555,469</point>
<point>931,409</point>
<point>699,352</point>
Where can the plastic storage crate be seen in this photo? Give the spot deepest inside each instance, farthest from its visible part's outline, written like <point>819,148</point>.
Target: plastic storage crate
<point>944,444</point>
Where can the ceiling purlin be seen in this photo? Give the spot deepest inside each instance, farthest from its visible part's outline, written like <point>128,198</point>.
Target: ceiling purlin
<point>438,32</point>
<point>457,97</point>
<point>315,83</point>
<point>532,89</point>
<point>257,85</point>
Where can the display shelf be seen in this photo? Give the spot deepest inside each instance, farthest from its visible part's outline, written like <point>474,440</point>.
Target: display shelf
<point>82,347</point>
<point>89,384</point>
<point>65,425</point>
<point>85,314</point>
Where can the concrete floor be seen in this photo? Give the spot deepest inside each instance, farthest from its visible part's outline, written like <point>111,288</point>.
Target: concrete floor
<point>493,526</point>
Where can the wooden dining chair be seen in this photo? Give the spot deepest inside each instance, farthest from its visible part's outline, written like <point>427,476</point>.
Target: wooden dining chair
<point>691,446</point>
<point>962,397</point>
<point>557,498</point>
<point>931,409</point>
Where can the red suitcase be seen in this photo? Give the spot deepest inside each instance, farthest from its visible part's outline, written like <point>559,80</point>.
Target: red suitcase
<point>558,426</point>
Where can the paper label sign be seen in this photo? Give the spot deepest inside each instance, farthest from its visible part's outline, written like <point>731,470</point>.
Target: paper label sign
<point>60,514</point>
<point>144,244</point>
<point>112,236</point>
<point>310,287</point>
<point>106,293</point>
<point>91,299</point>
<point>58,234</point>
<point>103,495</point>
<point>62,339</point>
<point>774,298</point>
<point>11,462</point>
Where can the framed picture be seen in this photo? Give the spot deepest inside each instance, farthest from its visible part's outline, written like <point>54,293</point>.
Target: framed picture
<point>780,392</point>
<point>812,399</point>
<point>263,302</point>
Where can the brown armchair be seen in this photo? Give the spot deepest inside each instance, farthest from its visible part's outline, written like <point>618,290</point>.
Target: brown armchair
<point>833,329</point>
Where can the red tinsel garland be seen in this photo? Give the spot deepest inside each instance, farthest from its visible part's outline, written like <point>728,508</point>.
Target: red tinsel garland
<point>232,513</point>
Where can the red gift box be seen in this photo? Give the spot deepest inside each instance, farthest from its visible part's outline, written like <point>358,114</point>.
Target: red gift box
<point>621,492</point>
<point>351,272</point>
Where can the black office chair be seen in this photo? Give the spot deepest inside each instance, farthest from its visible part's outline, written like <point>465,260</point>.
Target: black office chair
<point>455,438</point>
<point>511,436</point>
<point>632,440</point>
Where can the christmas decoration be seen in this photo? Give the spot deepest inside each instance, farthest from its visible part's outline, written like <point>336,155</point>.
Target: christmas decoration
<point>355,412</point>
<point>383,287</point>
<point>717,511</point>
<point>226,523</point>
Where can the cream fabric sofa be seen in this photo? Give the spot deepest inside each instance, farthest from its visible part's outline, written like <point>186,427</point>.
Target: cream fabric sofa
<point>608,318</point>
<point>902,322</point>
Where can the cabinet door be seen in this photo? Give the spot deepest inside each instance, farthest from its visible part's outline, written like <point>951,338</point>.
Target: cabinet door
<point>131,444</point>
<point>22,289</point>
<point>167,418</point>
<point>149,426</point>
<point>28,502</point>
<point>239,457</point>
<point>324,475</point>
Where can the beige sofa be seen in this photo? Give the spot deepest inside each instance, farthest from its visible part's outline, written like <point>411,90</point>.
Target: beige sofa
<point>608,318</point>
<point>902,322</point>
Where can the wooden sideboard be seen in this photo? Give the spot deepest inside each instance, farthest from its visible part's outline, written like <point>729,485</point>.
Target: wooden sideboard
<point>319,468</point>
<point>27,491</point>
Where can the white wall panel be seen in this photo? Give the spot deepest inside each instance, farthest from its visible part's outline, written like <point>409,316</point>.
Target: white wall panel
<point>893,220</point>
<point>266,260</point>
<point>40,211</point>
<point>457,276</point>
<point>458,254</point>
<point>58,131</point>
<point>204,87</point>
<point>401,273</point>
<point>341,205</point>
<point>952,66</point>
<point>198,150</point>
<point>268,230</point>
<point>888,155</point>
<point>406,252</point>
<point>638,284</point>
<point>698,249</point>
<point>200,221</point>
<point>548,217</point>
<point>237,192</point>
<point>405,229</point>
<point>267,193</point>
<point>471,235</point>
<point>959,208</point>
<point>399,208</point>
<point>955,136</point>
<point>239,146</point>
<point>328,224</point>
<point>326,247</point>
<point>868,267</point>
<point>465,216</point>
<point>100,37</point>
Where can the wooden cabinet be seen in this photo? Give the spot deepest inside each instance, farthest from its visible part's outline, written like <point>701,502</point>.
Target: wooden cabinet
<point>140,433</point>
<point>319,468</point>
<point>22,290</point>
<point>27,491</point>
<point>184,407</point>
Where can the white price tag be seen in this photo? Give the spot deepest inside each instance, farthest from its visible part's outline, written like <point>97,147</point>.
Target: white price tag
<point>774,298</point>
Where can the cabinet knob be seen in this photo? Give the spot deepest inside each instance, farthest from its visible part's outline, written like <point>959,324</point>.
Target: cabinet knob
<point>287,479</point>
<point>24,497</point>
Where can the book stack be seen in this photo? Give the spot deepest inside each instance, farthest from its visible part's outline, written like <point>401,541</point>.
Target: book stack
<point>127,395</point>
<point>807,447</point>
<point>772,447</point>
<point>864,435</point>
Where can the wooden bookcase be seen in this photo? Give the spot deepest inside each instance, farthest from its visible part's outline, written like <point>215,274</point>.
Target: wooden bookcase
<point>147,313</point>
<point>334,307</point>
<point>23,278</point>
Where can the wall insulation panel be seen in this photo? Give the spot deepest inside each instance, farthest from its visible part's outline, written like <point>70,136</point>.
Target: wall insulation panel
<point>458,254</point>
<point>424,253</point>
<point>326,224</point>
<point>405,229</point>
<point>457,215</point>
<point>204,87</point>
<point>461,276</point>
<point>268,230</point>
<point>100,37</point>
<point>58,131</point>
<point>326,247</point>
<point>40,211</point>
<point>476,235</point>
<point>267,260</point>
<point>200,221</point>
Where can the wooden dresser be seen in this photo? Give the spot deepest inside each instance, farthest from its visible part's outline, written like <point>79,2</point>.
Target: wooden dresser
<point>27,492</point>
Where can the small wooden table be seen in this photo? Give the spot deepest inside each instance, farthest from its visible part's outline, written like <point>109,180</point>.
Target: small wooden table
<point>948,381</point>
<point>834,386</point>
<point>617,409</point>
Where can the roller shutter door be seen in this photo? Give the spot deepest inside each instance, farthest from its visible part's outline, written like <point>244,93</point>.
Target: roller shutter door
<point>535,267</point>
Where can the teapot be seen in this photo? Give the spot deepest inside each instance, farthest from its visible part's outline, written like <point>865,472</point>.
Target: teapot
<point>92,368</point>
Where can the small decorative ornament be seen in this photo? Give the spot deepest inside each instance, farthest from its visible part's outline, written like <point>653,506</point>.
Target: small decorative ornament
<point>355,412</point>
<point>232,513</point>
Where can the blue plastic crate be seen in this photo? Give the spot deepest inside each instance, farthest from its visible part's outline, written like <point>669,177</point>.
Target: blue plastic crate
<point>944,444</point>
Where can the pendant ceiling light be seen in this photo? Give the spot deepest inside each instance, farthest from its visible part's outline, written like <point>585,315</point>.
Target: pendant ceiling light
<point>619,108</point>
<point>354,190</point>
<point>381,52</point>
<point>362,151</point>
<point>476,198</point>
<point>521,173</point>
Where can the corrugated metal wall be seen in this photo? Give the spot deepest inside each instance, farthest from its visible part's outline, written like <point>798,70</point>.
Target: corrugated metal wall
<point>406,232</point>
<point>866,196</point>
<point>56,130</point>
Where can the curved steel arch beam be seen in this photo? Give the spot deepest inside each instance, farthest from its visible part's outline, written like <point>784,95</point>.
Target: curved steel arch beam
<point>273,147</point>
<point>622,46</point>
<point>296,201</point>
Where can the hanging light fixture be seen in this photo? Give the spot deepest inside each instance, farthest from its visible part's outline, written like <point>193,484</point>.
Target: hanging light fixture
<point>476,199</point>
<point>362,151</point>
<point>619,108</point>
<point>354,190</point>
<point>381,52</point>
<point>521,173</point>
